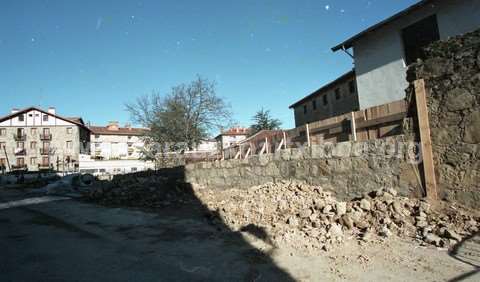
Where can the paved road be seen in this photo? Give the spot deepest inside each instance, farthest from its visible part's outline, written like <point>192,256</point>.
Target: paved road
<point>68,240</point>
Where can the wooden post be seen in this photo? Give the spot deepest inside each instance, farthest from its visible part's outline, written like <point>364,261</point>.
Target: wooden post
<point>248,152</point>
<point>353,126</point>
<point>6,157</point>
<point>426,142</point>
<point>284,140</point>
<point>279,146</point>
<point>308,135</point>
<point>266,145</point>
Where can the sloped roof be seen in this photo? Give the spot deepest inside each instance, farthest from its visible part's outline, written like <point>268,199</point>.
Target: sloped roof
<point>23,111</point>
<point>349,42</point>
<point>104,130</point>
<point>344,77</point>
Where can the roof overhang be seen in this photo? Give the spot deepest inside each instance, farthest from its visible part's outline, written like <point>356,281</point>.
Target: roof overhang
<point>347,44</point>
<point>346,76</point>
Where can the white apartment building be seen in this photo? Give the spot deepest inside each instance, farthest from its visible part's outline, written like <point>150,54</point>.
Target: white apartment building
<point>112,142</point>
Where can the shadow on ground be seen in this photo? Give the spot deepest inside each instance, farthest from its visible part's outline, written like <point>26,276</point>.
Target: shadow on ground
<point>467,251</point>
<point>71,239</point>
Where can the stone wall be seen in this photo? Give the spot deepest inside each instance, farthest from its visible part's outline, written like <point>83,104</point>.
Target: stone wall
<point>451,71</point>
<point>348,168</point>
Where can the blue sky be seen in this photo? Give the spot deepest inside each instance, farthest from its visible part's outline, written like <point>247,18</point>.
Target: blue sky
<point>88,58</point>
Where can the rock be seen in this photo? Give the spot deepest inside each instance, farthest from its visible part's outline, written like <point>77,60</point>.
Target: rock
<point>327,209</point>
<point>305,213</point>
<point>347,221</point>
<point>459,99</point>
<point>335,230</point>
<point>365,204</point>
<point>385,232</point>
<point>292,221</point>
<point>452,235</point>
<point>432,239</point>
<point>341,208</point>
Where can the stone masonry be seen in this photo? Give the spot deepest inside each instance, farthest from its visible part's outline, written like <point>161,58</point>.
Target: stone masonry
<point>451,72</point>
<point>349,169</point>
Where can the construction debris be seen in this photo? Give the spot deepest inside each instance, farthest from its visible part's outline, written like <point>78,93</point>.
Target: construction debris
<point>308,218</point>
<point>297,215</point>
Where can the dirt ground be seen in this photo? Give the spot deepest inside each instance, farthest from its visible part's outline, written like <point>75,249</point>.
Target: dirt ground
<point>69,240</point>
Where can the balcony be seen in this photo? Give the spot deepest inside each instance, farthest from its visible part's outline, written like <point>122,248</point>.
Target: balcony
<point>45,151</point>
<point>44,166</point>
<point>20,152</point>
<point>19,137</point>
<point>46,137</point>
<point>19,167</point>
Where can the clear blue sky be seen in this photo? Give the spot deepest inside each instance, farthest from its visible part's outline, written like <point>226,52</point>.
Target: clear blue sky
<point>88,58</point>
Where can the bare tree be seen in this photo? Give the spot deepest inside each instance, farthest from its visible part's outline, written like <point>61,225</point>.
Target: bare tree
<point>182,118</point>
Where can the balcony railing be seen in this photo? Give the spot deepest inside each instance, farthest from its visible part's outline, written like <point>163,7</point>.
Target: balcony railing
<point>20,152</point>
<point>19,137</point>
<point>46,137</point>
<point>44,151</point>
<point>43,166</point>
<point>19,167</point>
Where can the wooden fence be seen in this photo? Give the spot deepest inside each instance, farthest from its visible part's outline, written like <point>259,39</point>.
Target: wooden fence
<point>372,123</point>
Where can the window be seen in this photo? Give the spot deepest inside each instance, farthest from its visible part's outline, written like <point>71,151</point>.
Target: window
<point>3,131</point>
<point>20,145</point>
<point>337,94</point>
<point>97,136</point>
<point>69,144</point>
<point>20,162</point>
<point>33,161</point>
<point>46,146</point>
<point>304,109</point>
<point>97,145</point>
<point>314,104</point>
<point>21,117</point>
<point>417,36</point>
<point>351,86</point>
<point>129,137</point>
<point>325,100</point>
<point>33,145</point>
<point>33,131</point>
<point>45,117</point>
<point>45,160</point>
<point>2,145</point>
<point>134,169</point>
<point>46,131</point>
<point>3,162</point>
<point>20,132</point>
<point>69,130</point>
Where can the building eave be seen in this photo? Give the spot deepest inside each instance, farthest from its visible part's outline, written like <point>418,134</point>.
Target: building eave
<point>346,76</point>
<point>347,44</point>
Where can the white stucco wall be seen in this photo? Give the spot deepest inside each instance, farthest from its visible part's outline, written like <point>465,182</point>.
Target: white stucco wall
<point>116,146</point>
<point>379,56</point>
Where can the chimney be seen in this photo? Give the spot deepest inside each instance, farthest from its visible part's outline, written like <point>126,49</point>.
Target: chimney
<point>15,110</point>
<point>128,126</point>
<point>112,125</point>
<point>51,110</point>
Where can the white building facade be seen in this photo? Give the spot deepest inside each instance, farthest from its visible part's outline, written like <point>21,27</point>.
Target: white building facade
<point>383,52</point>
<point>112,142</point>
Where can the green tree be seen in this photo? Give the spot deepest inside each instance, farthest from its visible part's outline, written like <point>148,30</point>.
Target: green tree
<point>263,121</point>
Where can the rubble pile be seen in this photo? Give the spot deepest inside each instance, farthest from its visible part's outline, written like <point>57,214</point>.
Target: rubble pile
<point>140,190</point>
<point>307,217</point>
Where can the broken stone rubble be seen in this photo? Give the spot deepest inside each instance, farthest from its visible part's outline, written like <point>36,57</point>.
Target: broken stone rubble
<point>307,217</point>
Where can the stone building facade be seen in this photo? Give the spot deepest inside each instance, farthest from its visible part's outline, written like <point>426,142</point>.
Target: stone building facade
<point>336,98</point>
<point>112,142</point>
<point>33,139</point>
<point>451,71</point>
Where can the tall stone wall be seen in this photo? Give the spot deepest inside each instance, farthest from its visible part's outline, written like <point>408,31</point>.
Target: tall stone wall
<point>451,72</point>
<point>349,168</point>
